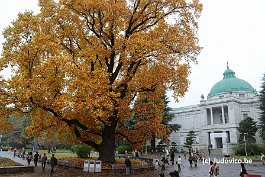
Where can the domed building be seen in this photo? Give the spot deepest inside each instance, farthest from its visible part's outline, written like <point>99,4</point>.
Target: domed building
<point>215,120</point>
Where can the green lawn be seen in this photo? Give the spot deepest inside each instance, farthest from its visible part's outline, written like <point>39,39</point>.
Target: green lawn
<point>58,154</point>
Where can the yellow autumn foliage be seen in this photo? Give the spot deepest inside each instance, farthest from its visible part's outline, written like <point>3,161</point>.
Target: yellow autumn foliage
<point>79,65</point>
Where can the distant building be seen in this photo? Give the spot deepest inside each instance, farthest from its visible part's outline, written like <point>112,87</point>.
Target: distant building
<point>216,119</point>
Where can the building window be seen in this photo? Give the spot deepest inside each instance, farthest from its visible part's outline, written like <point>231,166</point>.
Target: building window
<point>245,115</point>
<point>181,140</point>
<point>241,95</point>
<point>197,140</point>
<point>228,137</point>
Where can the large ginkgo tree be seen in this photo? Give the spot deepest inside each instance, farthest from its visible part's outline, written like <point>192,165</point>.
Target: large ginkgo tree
<point>79,65</point>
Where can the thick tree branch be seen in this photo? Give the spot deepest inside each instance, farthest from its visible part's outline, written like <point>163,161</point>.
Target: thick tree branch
<point>69,122</point>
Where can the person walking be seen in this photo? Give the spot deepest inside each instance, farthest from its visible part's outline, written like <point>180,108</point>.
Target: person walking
<point>29,157</point>
<point>195,159</point>
<point>210,146</point>
<point>216,169</point>
<point>43,161</point>
<point>53,162</point>
<point>15,152</point>
<point>23,153</point>
<point>243,170</point>
<point>36,158</point>
<point>190,159</point>
<point>179,163</point>
<point>172,157</point>
<point>163,165</point>
<point>128,166</point>
<point>211,169</point>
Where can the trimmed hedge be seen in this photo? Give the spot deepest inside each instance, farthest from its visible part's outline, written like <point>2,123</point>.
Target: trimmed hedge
<point>82,150</point>
<point>122,149</point>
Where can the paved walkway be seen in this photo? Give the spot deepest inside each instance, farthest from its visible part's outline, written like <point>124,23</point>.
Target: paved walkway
<point>229,169</point>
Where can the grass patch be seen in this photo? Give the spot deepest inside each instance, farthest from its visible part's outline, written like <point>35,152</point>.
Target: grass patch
<point>5,162</point>
<point>57,154</point>
<point>61,156</point>
<point>253,157</point>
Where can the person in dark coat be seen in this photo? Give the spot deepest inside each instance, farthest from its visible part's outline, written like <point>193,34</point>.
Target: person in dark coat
<point>15,152</point>
<point>36,158</point>
<point>53,162</point>
<point>243,170</point>
<point>163,163</point>
<point>43,161</point>
<point>172,157</point>
<point>128,166</point>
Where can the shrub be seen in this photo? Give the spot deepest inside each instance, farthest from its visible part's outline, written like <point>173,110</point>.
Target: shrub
<point>5,148</point>
<point>122,149</point>
<point>252,149</point>
<point>82,150</point>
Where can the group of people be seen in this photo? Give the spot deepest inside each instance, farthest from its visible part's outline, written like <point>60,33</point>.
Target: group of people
<point>194,156</point>
<point>36,157</point>
<point>193,159</point>
<point>165,160</point>
<point>19,152</point>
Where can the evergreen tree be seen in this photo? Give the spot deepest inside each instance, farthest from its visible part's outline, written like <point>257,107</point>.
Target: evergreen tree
<point>166,114</point>
<point>167,118</point>
<point>262,108</point>
<point>247,127</point>
<point>190,138</point>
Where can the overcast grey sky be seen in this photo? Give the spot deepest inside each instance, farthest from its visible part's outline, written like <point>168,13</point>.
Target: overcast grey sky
<point>229,30</point>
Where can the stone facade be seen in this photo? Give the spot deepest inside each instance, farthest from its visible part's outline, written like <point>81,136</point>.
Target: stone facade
<point>216,119</point>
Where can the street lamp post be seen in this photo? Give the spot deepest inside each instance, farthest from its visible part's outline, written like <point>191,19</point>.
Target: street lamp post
<point>1,142</point>
<point>245,144</point>
<point>145,147</point>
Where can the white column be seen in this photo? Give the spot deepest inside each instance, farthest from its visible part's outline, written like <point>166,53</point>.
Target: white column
<point>223,115</point>
<point>213,140</point>
<point>205,115</point>
<point>211,110</point>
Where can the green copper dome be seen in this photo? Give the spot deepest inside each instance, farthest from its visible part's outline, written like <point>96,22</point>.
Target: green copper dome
<point>230,84</point>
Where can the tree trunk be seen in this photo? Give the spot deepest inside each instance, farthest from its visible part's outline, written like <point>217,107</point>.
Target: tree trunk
<point>107,147</point>
<point>153,143</point>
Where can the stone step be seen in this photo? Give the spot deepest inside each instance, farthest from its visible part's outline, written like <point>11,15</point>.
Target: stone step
<point>218,151</point>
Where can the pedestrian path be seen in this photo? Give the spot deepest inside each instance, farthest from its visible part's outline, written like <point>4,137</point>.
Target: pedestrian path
<point>24,162</point>
<point>226,169</point>
<point>10,155</point>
